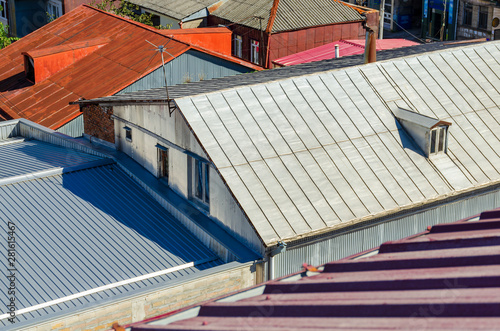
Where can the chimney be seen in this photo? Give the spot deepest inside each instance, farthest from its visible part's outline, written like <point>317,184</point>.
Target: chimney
<point>337,51</point>
<point>370,46</point>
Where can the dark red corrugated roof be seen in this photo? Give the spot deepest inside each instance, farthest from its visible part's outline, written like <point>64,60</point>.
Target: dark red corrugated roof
<point>346,47</point>
<point>121,61</point>
<point>446,278</point>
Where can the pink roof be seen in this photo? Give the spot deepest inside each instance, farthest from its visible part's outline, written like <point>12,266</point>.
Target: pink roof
<point>446,278</point>
<point>346,47</point>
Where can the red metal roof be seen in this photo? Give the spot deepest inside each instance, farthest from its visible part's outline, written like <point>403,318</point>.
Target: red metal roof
<point>124,58</point>
<point>346,47</point>
<point>445,278</point>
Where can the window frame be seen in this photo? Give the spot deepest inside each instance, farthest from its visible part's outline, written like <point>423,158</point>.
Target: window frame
<point>3,12</point>
<point>467,14</point>
<point>128,133</point>
<point>438,140</point>
<point>52,6</point>
<point>163,158</point>
<point>200,178</point>
<point>238,46</point>
<point>482,22</point>
<point>254,51</point>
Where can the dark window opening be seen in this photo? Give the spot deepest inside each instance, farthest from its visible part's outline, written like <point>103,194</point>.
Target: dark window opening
<point>29,68</point>
<point>163,162</point>
<point>201,181</point>
<point>128,133</point>
<point>467,19</point>
<point>483,18</point>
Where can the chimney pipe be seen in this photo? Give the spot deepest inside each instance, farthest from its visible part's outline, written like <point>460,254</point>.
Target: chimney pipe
<point>337,51</point>
<point>370,46</point>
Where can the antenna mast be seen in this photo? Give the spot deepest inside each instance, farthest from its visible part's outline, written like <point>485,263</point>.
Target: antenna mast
<point>160,49</point>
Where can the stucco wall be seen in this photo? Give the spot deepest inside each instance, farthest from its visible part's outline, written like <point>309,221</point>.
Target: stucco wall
<point>222,208</point>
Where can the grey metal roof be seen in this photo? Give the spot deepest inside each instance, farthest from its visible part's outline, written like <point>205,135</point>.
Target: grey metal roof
<point>83,229</point>
<point>20,157</point>
<point>291,14</point>
<point>410,116</point>
<point>177,9</point>
<point>264,76</point>
<point>305,154</point>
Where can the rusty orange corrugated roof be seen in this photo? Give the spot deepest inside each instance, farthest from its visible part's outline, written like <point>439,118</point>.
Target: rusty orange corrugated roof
<point>123,56</point>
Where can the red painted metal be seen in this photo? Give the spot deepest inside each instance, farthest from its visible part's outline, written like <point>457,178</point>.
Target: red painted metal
<point>346,48</point>
<point>413,288</point>
<point>89,53</point>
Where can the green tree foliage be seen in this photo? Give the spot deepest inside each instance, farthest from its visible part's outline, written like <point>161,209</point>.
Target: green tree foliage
<point>126,9</point>
<point>5,38</point>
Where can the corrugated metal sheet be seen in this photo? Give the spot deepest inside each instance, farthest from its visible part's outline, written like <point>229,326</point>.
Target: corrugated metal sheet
<point>26,157</point>
<point>85,229</point>
<point>266,76</point>
<point>291,14</point>
<point>73,128</point>
<point>346,48</point>
<point>177,9</point>
<point>8,131</point>
<point>446,279</point>
<point>305,154</point>
<point>346,244</point>
<point>124,59</point>
<point>191,66</point>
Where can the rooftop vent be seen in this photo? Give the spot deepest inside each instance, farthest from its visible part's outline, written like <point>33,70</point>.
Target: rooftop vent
<point>430,134</point>
<point>40,64</point>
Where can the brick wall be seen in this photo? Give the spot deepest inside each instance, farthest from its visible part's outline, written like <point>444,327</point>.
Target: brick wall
<point>160,302</point>
<point>97,122</point>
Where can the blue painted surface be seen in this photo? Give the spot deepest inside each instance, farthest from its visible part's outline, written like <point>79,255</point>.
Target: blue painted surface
<point>30,15</point>
<point>84,229</point>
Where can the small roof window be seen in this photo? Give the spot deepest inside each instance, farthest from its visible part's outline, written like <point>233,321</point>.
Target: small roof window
<point>430,134</point>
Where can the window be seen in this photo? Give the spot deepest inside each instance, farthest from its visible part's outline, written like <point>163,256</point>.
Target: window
<point>128,133</point>
<point>162,162</point>
<point>29,68</point>
<point>201,181</point>
<point>483,18</point>
<point>254,51</point>
<point>238,46</point>
<point>467,19</point>
<point>3,12</point>
<point>438,140</point>
<point>54,9</point>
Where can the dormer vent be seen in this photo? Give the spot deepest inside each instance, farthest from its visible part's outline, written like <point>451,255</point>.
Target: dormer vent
<point>430,134</point>
<point>40,64</point>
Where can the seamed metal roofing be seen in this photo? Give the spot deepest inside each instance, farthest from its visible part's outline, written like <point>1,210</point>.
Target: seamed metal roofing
<point>290,14</point>
<point>81,228</point>
<point>122,57</point>
<point>443,279</point>
<point>307,154</point>
<point>266,76</point>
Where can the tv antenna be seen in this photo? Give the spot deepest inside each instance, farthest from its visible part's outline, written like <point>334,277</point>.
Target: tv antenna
<point>163,49</point>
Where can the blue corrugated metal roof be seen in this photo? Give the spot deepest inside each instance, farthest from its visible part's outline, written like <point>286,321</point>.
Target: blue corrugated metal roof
<point>21,157</point>
<point>83,229</point>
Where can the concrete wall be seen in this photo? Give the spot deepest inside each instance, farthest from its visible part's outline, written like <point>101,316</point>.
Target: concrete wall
<point>155,118</point>
<point>472,31</point>
<point>161,301</point>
